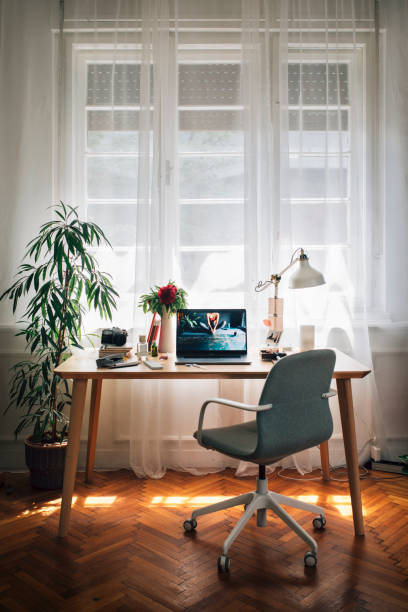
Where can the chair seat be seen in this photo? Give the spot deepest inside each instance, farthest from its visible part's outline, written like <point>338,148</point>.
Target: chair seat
<point>236,440</point>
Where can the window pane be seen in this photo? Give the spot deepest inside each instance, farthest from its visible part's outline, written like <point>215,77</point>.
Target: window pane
<point>121,265</point>
<point>211,177</point>
<point>113,131</point>
<point>319,223</point>
<point>211,224</point>
<point>212,271</point>
<point>117,220</point>
<point>318,120</point>
<point>317,177</point>
<point>318,83</point>
<point>209,84</point>
<point>112,177</point>
<point>214,141</point>
<point>319,142</point>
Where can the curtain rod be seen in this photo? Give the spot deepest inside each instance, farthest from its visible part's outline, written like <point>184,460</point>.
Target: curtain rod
<point>227,19</point>
<point>214,30</point>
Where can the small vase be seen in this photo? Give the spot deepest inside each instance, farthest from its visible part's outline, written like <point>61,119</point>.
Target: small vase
<point>166,339</point>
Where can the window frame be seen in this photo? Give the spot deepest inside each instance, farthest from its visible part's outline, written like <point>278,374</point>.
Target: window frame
<point>210,45</point>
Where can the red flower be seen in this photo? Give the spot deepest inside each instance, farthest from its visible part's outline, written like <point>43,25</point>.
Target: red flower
<point>167,294</point>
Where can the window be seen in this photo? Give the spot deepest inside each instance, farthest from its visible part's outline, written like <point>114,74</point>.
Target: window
<point>325,159</point>
<point>106,152</point>
<point>323,151</point>
<point>210,185</point>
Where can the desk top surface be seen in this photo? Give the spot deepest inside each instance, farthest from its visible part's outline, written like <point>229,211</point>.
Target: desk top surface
<point>83,365</point>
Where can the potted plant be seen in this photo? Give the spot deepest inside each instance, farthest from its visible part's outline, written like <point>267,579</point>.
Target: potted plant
<point>58,272</point>
<point>164,301</point>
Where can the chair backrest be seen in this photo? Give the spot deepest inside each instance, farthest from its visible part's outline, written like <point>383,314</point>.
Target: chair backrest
<point>300,417</point>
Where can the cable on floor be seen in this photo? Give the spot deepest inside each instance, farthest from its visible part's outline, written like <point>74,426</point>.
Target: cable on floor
<point>364,473</point>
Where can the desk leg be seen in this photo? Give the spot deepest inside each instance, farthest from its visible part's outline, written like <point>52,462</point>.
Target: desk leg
<point>93,427</point>
<point>71,459</point>
<point>350,447</point>
<point>324,460</point>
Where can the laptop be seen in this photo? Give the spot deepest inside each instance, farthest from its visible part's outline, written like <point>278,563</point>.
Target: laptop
<point>212,336</point>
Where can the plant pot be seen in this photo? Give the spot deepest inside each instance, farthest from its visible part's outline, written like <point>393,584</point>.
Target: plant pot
<point>166,339</point>
<point>46,463</point>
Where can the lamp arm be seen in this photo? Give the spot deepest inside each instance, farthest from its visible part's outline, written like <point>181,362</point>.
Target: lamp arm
<point>275,278</point>
<point>292,263</point>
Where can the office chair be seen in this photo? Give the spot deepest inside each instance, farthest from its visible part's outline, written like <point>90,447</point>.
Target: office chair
<point>293,414</point>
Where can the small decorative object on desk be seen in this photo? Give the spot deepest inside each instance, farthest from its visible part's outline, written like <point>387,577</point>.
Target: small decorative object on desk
<point>154,350</point>
<point>271,354</point>
<point>164,301</point>
<point>142,347</point>
<point>153,331</point>
<point>114,336</point>
<point>307,337</point>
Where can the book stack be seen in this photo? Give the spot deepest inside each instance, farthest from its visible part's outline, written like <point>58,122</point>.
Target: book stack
<point>108,350</point>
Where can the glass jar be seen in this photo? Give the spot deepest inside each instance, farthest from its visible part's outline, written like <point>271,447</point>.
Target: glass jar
<point>142,348</point>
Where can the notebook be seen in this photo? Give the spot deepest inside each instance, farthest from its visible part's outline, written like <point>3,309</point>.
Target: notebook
<point>212,336</point>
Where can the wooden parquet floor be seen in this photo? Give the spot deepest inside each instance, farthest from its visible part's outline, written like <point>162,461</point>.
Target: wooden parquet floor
<point>127,549</point>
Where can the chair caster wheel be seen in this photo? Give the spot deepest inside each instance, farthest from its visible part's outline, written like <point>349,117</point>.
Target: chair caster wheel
<point>310,559</point>
<point>319,523</point>
<point>190,525</point>
<point>223,563</point>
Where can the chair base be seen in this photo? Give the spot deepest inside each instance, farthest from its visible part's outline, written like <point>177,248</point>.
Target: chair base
<point>260,501</point>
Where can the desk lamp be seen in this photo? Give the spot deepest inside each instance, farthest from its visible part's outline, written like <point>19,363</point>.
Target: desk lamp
<point>305,276</point>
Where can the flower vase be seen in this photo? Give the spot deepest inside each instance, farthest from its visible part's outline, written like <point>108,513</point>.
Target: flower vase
<point>166,339</point>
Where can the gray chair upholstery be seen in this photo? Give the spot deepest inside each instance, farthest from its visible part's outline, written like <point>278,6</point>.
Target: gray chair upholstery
<point>293,414</point>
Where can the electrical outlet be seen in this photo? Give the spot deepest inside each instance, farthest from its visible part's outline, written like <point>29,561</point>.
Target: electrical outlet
<point>376,453</point>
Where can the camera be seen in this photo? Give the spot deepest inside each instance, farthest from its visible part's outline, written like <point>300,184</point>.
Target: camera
<point>115,336</point>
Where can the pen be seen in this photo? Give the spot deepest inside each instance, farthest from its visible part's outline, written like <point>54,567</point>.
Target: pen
<point>195,365</point>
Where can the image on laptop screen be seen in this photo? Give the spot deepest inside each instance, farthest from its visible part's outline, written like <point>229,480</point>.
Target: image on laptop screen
<point>211,332</point>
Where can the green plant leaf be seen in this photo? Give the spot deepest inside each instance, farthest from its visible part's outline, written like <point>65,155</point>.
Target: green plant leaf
<point>52,320</point>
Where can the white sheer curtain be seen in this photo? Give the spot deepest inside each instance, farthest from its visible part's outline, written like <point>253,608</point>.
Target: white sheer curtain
<point>129,88</point>
<point>311,103</point>
<point>329,182</point>
<point>209,156</point>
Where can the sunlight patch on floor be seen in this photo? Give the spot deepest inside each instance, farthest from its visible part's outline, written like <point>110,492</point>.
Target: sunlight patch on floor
<point>187,502</point>
<point>308,499</point>
<point>100,501</point>
<point>342,503</point>
<point>47,508</point>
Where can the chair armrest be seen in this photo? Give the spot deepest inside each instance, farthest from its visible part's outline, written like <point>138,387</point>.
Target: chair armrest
<point>330,393</point>
<point>225,402</point>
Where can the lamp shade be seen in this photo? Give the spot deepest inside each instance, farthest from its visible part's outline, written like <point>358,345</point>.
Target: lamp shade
<point>305,276</point>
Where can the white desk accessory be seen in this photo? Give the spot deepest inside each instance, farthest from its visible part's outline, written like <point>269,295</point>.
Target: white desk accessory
<point>307,337</point>
<point>153,365</point>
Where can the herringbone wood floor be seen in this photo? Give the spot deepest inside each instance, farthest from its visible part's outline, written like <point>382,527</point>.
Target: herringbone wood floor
<point>127,549</point>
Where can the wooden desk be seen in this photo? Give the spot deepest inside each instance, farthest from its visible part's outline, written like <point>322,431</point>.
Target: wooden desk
<point>82,367</point>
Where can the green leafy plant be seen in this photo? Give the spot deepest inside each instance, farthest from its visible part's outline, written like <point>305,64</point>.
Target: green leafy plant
<point>58,272</point>
<point>169,298</point>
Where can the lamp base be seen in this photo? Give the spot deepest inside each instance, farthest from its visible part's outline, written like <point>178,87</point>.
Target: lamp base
<point>274,321</point>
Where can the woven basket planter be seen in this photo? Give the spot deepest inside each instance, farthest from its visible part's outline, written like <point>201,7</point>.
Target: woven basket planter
<point>46,464</point>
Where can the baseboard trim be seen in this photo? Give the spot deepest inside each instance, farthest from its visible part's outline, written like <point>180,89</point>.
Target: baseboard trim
<point>190,454</point>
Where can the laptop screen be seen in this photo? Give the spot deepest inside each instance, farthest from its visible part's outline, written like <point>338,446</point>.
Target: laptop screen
<point>211,332</point>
